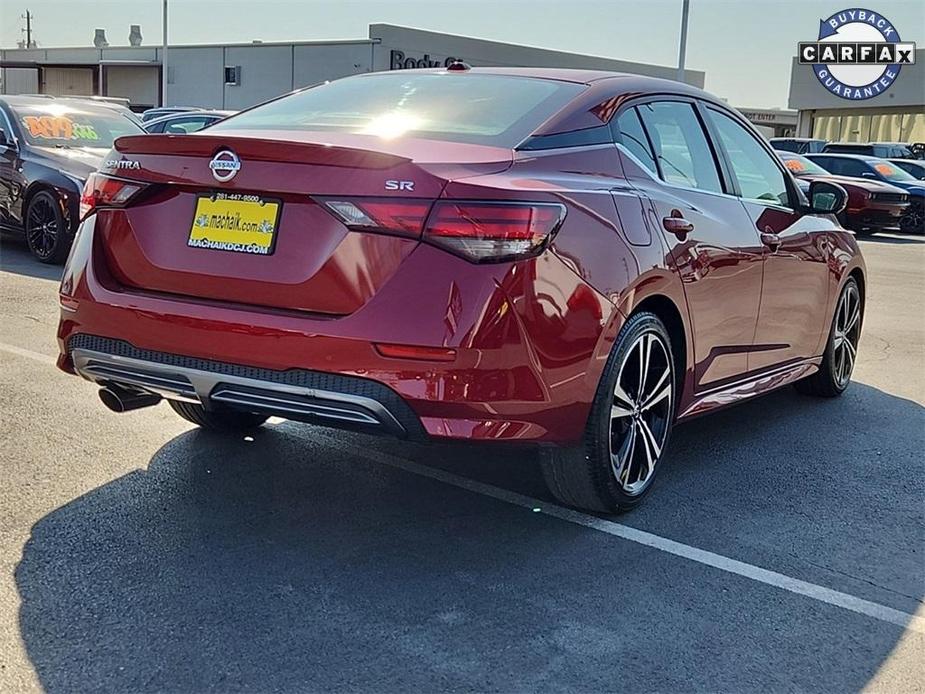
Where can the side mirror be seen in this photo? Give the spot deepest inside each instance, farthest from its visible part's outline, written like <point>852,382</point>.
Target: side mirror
<point>868,174</point>
<point>826,197</point>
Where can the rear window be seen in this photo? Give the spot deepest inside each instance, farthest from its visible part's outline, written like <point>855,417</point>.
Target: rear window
<point>848,149</point>
<point>470,108</point>
<point>58,125</point>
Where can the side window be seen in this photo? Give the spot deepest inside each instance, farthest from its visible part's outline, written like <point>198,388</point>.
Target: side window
<point>633,137</point>
<point>758,175</point>
<point>681,148</point>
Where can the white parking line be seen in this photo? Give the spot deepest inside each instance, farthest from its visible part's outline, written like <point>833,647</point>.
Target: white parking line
<point>27,353</point>
<point>717,561</point>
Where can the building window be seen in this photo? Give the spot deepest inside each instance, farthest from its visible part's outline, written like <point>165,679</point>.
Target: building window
<point>232,74</point>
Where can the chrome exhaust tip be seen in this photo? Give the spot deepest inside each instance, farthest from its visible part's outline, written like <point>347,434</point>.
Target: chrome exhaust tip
<point>122,400</point>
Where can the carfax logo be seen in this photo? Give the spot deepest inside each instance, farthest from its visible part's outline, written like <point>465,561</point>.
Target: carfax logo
<point>858,54</point>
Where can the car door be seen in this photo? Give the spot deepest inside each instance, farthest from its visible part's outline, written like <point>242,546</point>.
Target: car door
<point>794,294</point>
<point>710,239</point>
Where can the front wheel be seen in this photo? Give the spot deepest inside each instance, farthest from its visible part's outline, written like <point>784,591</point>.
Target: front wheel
<point>48,235</point>
<point>628,428</point>
<point>841,350</point>
<point>913,220</point>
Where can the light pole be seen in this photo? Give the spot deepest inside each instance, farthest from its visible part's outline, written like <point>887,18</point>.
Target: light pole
<point>164,60</point>
<point>682,49</point>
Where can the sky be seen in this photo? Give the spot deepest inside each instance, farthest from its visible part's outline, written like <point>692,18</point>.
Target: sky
<point>744,46</point>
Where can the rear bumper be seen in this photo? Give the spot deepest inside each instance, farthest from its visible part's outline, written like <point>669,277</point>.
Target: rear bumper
<point>526,364</point>
<point>333,400</point>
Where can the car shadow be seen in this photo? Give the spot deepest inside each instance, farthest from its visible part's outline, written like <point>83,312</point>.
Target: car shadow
<point>286,562</point>
<point>15,258</point>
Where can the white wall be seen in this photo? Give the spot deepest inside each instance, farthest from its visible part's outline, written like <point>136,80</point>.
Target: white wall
<point>139,84</point>
<point>416,44</point>
<point>20,80</point>
<point>195,77</point>
<point>266,71</point>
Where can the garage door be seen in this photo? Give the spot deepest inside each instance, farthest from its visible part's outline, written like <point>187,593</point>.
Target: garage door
<point>68,81</point>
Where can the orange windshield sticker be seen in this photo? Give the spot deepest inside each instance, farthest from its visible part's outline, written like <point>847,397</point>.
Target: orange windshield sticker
<point>795,165</point>
<point>885,169</point>
<point>58,128</point>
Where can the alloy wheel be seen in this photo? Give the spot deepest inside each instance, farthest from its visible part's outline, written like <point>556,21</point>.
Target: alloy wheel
<point>641,411</point>
<point>847,334</point>
<point>42,226</point>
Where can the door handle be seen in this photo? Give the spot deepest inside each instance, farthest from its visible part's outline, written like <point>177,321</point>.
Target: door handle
<point>770,239</point>
<point>677,225</point>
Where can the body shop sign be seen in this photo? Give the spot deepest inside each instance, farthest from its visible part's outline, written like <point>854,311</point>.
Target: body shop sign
<point>399,61</point>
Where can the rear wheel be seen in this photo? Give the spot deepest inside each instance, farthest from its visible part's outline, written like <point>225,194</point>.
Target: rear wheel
<point>47,234</point>
<point>218,420</point>
<point>628,428</point>
<point>834,373</point>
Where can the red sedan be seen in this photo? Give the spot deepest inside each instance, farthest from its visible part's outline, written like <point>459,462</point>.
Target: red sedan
<point>569,258</point>
<point>872,205</point>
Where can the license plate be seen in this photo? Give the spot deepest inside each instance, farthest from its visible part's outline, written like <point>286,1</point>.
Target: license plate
<point>235,222</point>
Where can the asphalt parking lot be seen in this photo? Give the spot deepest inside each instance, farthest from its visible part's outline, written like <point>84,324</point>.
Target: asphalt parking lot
<point>783,550</point>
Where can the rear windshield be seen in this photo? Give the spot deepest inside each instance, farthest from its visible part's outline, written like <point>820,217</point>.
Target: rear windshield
<point>494,110</point>
<point>848,149</point>
<point>58,125</point>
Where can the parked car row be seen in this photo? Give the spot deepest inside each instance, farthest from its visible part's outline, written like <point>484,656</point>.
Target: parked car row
<point>48,147</point>
<point>884,150</point>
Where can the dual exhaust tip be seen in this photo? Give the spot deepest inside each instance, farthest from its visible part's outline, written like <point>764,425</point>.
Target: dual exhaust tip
<point>120,399</point>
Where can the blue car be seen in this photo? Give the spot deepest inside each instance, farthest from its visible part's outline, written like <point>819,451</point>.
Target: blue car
<point>860,166</point>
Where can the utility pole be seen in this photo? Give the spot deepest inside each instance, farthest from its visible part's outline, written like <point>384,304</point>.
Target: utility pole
<point>682,49</point>
<point>28,29</point>
<point>164,61</point>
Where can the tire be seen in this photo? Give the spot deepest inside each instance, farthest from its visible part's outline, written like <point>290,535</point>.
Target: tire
<point>229,421</point>
<point>48,233</point>
<point>913,221</point>
<point>589,477</point>
<point>834,374</point>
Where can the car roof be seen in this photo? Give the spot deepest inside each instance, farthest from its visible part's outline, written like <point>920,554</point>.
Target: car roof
<point>796,139</point>
<point>19,100</point>
<point>627,81</point>
<point>191,114</point>
<point>863,157</point>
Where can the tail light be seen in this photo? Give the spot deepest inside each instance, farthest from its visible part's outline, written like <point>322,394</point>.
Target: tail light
<point>481,232</point>
<point>399,217</point>
<point>490,232</point>
<point>101,190</point>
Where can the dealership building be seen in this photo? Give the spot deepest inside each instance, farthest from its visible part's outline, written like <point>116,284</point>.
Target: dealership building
<point>236,76</point>
<point>896,115</point>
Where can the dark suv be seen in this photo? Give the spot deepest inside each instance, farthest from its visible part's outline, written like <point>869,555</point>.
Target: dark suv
<point>884,150</point>
<point>797,145</point>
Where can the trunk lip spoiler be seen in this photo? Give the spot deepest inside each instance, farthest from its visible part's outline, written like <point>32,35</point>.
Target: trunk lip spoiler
<point>258,149</point>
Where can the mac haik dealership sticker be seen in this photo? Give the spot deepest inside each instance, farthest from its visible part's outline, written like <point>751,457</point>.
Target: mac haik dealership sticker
<point>858,54</point>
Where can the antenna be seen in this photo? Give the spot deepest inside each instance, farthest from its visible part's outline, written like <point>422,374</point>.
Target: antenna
<point>27,30</point>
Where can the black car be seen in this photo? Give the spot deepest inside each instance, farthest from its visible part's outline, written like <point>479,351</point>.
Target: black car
<point>913,167</point>
<point>873,168</point>
<point>884,150</point>
<point>47,149</point>
<point>797,145</point>
<point>159,111</point>
<point>185,123</point>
